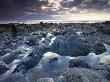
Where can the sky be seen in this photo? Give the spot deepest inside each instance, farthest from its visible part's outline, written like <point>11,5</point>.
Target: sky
<point>64,10</point>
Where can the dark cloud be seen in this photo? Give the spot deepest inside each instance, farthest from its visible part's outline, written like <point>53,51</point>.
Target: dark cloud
<point>95,4</point>
<point>87,4</point>
<point>14,9</point>
<point>71,3</point>
<point>18,9</point>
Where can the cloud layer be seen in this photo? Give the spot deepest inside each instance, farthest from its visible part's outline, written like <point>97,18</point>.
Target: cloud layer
<point>21,9</point>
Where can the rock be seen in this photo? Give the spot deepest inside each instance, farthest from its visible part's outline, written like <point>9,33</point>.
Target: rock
<point>104,73</point>
<point>31,60</point>
<point>83,75</point>
<point>99,47</point>
<point>107,42</point>
<point>45,80</point>
<point>11,57</point>
<point>32,41</point>
<point>3,67</point>
<point>72,46</point>
<point>80,75</point>
<point>2,51</point>
<point>92,60</point>
<point>78,63</point>
<point>17,77</point>
<point>59,32</point>
<point>103,28</point>
<point>66,40</point>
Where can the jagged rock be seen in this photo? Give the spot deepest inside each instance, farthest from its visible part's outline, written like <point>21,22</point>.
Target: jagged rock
<point>83,75</point>
<point>2,51</point>
<point>78,63</point>
<point>11,57</point>
<point>17,77</point>
<point>59,32</point>
<point>67,40</point>
<point>104,73</point>
<point>72,46</point>
<point>3,67</point>
<point>32,41</point>
<point>103,28</point>
<point>31,60</point>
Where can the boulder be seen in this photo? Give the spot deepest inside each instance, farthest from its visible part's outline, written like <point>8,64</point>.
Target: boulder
<point>72,46</point>
<point>99,47</point>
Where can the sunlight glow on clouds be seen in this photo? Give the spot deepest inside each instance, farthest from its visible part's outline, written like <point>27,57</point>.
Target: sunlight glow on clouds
<point>84,17</point>
<point>27,9</point>
<point>55,3</point>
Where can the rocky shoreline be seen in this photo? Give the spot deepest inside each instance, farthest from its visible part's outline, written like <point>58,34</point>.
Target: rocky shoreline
<point>24,45</point>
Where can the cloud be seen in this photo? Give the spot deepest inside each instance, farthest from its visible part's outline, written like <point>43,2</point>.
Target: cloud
<point>15,9</point>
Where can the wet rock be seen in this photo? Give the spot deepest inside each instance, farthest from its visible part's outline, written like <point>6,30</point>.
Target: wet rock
<point>31,60</point>
<point>72,46</point>
<point>68,40</point>
<point>80,75</point>
<point>3,67</point>
<point>11,57</point>
<point>78,63</point>
<point>17,77</point>
<point>99,47</point>
<point>107,42</point>
<point>32,41</point>
<point>104,73</point>
<point>83,75</point>
<point>58,32</point>
<point>45,80</point>
<point>2,51</point>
